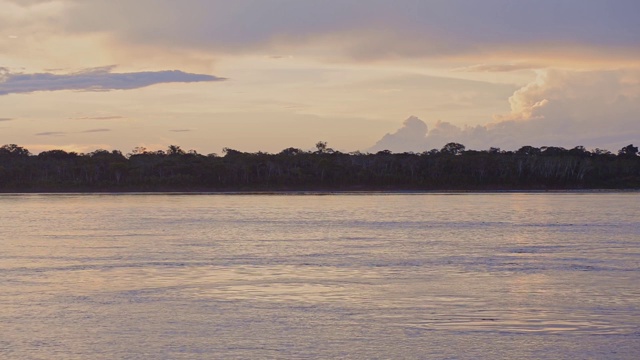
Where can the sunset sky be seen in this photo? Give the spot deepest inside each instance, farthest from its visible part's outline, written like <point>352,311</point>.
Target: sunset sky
<point>264,75</point>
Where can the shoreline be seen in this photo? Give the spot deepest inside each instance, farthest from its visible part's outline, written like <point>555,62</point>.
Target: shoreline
<point>320,192</point>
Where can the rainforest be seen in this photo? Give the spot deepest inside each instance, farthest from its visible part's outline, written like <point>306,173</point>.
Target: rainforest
<point>451,168</point>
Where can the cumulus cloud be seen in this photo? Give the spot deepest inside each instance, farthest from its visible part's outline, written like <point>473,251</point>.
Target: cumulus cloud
<point>411,136</point>
<point>379,28</point>
<point>560,108</point>
<point>94,79</point>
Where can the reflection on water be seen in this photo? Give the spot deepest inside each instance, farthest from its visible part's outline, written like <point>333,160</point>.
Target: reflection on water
<point>503,276</point>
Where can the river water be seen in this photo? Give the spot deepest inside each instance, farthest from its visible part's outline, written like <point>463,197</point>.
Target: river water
<point>350,276</point>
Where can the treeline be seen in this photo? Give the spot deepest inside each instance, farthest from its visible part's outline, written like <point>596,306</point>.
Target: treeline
<point>451,168</point>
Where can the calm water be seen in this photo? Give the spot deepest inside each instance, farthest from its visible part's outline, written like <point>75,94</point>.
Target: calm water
<point>474,276</point>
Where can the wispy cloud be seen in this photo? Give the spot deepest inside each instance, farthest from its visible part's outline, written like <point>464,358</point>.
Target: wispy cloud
<point>27,3</point>
<point>62,133</point>
<point>6,119</point>
<point>180,130</point>
<point>94,79</point>
<point>98,118</point>
<point>497,67</point>
<point>51,133</point>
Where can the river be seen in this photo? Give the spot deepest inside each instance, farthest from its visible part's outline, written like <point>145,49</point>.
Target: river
<point>320,276</point>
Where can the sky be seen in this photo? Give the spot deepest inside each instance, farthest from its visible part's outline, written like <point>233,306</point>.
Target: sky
<point>265,75</point>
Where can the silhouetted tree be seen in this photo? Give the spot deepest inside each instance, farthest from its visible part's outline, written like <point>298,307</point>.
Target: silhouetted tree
<point>453,167</point>
<point>628,150</point>
<point>453,148</point>
<point>528,150</point>
<point>13,150</point>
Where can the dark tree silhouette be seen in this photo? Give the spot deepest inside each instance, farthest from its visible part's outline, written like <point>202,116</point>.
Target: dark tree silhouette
<point>13,150</point>
<point>453,149</point>
<point>451,168</point>
<point>628,150</point>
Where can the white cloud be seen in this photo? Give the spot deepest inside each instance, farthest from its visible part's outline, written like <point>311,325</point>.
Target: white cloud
<point>411,136</point>
<point>560,108</point>
<point>96,79</point>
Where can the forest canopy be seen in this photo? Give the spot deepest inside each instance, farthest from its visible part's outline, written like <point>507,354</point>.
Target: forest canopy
<point>451,168</point>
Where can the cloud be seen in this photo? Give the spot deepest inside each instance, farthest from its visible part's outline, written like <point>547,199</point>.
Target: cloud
<point>51,133</point>
<point>78,148</point>
<point>27,3</point>
<point>560,108</point>
<point>279,57</point>
<point>6,119</point>
<point>63,133</point>
<point>115,117</point>
<point>490,68</point>
<point>94,79</point>
<point>181,130</point>
<point>379,29</point>
<point>411,136</point>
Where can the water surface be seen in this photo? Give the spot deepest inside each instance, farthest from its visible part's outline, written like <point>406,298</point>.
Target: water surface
<point>356,276</point>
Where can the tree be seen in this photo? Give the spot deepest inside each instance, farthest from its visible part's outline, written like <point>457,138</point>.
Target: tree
<point>293,168</point>
<point>628,150</point>
<point>138,150</point>
<point>601,152</point>
<point>453,148</point>
<point>14,150</point>
<point>321,146</point>
<point>175,150</point>
<point>229,152</point>
<point>293,151</point>
<point>579,151</point>
<point>553,150</point>
<point>57,154</point>
<point>431,152</point>
<point>528,150</point>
